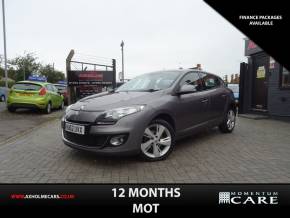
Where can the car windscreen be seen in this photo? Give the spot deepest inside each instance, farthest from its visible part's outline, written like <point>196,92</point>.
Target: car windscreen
<point>150,82</point>
<point>27,86</point>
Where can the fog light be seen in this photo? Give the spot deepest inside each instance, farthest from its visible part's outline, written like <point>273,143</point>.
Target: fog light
<point>117,140</point>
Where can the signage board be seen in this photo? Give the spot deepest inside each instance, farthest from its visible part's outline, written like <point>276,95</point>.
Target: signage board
<point>37,78</point>
<point>261,72</point>
<point>251,47</point>
<point>77,78</point>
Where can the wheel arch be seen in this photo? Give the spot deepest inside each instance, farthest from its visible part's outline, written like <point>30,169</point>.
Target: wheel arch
<point>167,117</point>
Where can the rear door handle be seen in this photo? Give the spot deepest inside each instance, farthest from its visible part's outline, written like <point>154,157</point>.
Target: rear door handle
<point>204,100</point>
<point>224,95</point>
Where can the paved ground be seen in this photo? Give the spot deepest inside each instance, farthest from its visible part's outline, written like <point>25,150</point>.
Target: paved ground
<point>22,121</point>
<point>2,106</point>
<point>257,151</point>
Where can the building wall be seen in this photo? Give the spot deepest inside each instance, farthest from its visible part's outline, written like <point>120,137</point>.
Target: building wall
<point>278,99</point>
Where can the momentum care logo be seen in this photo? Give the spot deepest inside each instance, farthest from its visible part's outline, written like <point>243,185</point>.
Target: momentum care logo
<point>248,198</point>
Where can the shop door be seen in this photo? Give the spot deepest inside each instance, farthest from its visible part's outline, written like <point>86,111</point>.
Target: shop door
<point>260,67</point>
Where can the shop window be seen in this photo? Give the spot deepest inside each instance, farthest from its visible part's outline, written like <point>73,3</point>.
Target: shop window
<point>285,78</point>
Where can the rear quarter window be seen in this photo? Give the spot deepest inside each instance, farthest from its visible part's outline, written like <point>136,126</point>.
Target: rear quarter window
<point>27,86</point>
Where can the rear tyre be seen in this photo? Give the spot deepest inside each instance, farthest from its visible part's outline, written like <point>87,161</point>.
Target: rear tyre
<point>11,109</point>
<point>229,122</point>
<point>158,141</point>
<point>47,110</point>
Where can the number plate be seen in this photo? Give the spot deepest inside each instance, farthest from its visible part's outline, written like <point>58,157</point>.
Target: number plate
<point>75,128</point>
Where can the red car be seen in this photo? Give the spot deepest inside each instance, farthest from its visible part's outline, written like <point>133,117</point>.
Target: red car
<point>62,88</point>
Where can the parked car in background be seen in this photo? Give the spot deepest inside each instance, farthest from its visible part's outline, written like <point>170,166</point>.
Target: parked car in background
<point>147,114</point>
<point>62,88</point>
<point>34,95</point>
<point>3,93</point>
<point>235,88</point>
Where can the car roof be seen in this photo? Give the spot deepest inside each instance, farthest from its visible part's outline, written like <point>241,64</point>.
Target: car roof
<point>58,84</point>
<point>184,71</point>
<point>33,82</point>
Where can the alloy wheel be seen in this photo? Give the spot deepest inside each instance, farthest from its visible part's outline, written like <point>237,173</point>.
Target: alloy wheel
<point>231,119</point>
<point>156,141</point>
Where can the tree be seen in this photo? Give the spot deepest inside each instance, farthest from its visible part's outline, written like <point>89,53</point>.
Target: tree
<point>53,76</point>
<point>21,67</point>
<point>25,65</point>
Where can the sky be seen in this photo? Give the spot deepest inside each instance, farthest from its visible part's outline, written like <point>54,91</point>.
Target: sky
<point>158,34</point>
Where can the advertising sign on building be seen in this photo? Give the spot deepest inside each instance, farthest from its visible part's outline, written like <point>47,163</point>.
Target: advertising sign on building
<point>251,47</point>
<point>261,72</point>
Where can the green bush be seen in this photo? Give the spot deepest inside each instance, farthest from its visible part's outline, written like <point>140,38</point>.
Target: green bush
<point>10,83</point>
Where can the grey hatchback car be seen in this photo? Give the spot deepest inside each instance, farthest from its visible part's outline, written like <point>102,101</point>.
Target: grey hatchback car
<point>149,113</point>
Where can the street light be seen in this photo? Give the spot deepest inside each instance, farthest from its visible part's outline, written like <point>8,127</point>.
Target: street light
<point>4,39</point>
<point>122,49</point>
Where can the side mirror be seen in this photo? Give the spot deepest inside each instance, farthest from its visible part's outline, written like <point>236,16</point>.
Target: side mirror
<point>186,89</point>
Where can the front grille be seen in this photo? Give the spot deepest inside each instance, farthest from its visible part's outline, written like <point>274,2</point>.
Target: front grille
<point>86,140</point>
<point>79,122</point>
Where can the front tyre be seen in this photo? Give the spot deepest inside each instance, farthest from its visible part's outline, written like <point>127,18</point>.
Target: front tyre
<point>229,123</point>
<point>158,141</point>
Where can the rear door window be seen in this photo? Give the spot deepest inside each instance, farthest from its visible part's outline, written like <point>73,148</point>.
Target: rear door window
<point>27,86</point>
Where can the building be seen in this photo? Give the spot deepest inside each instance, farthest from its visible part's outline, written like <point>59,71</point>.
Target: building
<point>198,67</point>
<point>264,84</point>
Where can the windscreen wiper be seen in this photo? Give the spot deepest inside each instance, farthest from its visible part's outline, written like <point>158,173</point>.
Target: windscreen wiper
<point>151,90</point>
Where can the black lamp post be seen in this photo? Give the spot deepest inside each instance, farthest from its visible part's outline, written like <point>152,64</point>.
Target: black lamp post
<point>122,49</point>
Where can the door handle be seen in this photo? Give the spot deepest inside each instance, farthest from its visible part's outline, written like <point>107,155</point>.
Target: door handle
<point>205,100</point>
<point>224,95</point>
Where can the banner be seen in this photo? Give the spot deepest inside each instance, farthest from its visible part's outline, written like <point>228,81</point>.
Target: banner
<point>76,78</point>
<point>148,198</point>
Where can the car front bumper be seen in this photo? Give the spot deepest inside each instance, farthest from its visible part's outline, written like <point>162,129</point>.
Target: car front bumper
<point>132,126</point>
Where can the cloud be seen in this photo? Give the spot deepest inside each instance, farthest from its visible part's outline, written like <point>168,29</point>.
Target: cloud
<point>160,34</point>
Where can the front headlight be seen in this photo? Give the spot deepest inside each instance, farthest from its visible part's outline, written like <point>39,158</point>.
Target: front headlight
<point>67,109</point>
<point>118,113</point>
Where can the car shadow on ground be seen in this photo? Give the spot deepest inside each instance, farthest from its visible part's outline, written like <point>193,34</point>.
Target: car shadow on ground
<point>196,138</point>
<point>182,144</point>
<point>24,111</point>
